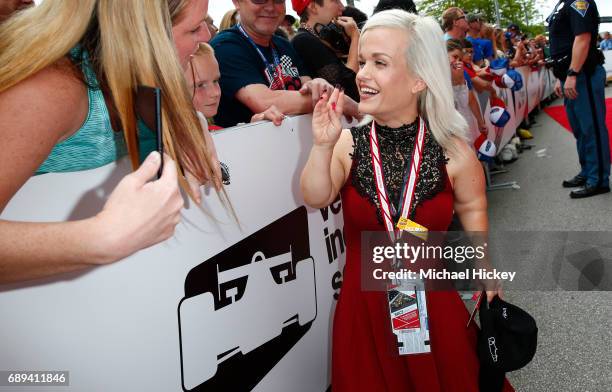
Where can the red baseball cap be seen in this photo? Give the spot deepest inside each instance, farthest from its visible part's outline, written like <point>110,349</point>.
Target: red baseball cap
<point>300,5</point>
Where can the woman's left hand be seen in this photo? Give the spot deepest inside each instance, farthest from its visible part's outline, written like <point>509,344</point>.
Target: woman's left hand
<point>497,292</point>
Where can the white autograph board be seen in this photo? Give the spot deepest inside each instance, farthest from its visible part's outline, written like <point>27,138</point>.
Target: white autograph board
<point>216,308</point>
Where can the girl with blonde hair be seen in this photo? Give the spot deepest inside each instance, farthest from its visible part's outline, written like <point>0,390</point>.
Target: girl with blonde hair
<point>487,31</point>
<point>413,144</point>
<point>203,77</point>
<point>500,44</point>
<point>68,75</point>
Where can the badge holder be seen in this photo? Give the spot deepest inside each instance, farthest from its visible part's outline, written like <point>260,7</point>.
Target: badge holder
<point>409,318</point>
<point>406,299</point>
<point>408,304</point>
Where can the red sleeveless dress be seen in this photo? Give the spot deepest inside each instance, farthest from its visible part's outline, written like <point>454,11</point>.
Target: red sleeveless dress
<point>363,358</point>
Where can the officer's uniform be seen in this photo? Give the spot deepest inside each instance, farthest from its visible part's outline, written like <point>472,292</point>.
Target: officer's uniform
<point>586,113</point>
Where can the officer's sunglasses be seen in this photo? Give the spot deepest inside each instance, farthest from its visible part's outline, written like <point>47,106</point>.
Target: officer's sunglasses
<point>261,2</point>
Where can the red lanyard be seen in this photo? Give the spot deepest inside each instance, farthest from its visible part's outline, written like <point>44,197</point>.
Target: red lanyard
<point>409,185</point>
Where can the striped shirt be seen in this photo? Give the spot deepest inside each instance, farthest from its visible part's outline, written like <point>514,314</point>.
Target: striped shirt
<point>94,144</point>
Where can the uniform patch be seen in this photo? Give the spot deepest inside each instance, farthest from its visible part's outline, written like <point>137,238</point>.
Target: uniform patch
<point>580,6</point>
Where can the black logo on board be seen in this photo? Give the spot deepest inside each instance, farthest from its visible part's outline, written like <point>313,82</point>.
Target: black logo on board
<point>246,307</point>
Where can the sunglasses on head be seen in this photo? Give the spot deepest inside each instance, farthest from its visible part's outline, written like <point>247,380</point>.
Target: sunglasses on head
<point>261,2</point>
<point>461,17</point>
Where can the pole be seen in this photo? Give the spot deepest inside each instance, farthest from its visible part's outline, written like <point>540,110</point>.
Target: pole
<point>497,17</point>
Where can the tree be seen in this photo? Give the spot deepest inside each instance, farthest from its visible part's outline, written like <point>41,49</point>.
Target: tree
<point>522,12</point>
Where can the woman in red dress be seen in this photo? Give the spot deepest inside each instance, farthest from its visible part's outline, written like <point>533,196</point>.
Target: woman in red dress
<point>404,82</point>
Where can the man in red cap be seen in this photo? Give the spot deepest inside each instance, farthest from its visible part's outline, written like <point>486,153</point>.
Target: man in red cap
<point>260,69</point>
<point>328,42</point>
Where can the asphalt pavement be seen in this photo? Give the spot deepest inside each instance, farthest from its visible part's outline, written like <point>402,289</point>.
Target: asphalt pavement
<point>575,327</point>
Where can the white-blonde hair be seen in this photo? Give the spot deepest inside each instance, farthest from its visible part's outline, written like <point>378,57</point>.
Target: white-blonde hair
<point>427,60</point>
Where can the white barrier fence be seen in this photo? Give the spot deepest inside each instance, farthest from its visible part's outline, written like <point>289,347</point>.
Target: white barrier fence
<point>608,63</point>
<point>215,308</point>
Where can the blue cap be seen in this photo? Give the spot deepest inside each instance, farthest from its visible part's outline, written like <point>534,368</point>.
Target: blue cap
<point>513,26</point>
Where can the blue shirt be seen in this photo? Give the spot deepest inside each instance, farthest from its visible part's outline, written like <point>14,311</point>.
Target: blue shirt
<point>95,143</point>
<point>241,66</point>
<point>606,44</point>
<point>569,19</point>
<point>468,80</point>
<point>478,51</point>
<point>487,47</point>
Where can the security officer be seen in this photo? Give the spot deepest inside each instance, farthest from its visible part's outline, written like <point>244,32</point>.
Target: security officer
<point>573,27</point>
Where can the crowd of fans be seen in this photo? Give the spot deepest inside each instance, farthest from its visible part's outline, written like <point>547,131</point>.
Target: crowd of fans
<point>272,64</point>
<point>259,80</point>
<point>268,59</point>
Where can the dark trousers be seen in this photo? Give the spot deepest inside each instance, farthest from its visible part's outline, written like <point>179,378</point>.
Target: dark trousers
<point>587,117</point>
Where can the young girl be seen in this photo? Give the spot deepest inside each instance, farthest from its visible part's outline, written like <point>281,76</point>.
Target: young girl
<point>465,101</point>
<point>203,77</point>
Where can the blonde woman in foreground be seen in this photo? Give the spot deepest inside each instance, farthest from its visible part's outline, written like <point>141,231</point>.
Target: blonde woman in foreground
<point>68,73</point>
<point>405,86</point>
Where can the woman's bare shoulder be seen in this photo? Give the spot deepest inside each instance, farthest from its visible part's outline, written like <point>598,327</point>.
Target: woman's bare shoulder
<point>55,96</point>
<point>461,157</point>
<point>35,115</point>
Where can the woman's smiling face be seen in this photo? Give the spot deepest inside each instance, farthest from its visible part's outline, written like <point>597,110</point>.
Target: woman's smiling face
<point>386,87</point>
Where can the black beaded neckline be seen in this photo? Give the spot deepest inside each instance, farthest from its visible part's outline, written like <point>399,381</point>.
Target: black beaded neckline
<point>402,130</point>
<point>396,146</point>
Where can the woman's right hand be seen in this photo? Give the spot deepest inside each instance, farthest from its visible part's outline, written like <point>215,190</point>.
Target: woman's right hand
<point>326,124</point>
<point>139,213</point>
<point>350,27</point>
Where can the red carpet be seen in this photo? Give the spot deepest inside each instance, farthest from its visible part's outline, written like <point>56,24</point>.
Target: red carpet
<point>559,115</point>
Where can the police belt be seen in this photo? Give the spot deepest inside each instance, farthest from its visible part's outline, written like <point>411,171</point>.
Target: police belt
<point>560,65</point>
<point>561,59</point>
